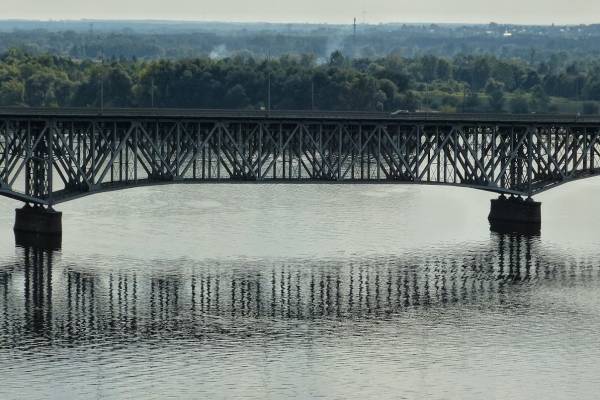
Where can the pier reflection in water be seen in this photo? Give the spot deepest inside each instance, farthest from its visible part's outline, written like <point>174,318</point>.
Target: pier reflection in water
<point>298,327</point>
<point>53,300</point>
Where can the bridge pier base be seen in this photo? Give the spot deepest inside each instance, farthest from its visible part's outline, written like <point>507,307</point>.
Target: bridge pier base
<point>38,220</point>
<point>513,214</point>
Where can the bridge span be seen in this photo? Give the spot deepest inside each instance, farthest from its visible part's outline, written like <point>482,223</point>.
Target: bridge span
<point>49,156</point>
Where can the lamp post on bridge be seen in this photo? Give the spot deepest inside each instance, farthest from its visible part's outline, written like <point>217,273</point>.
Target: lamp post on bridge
<point>152,93</point>
<point>102,81</point>
<point>269,85</point>
<point>464,95</point>
<point>576,96</point>
<point>427,98</point>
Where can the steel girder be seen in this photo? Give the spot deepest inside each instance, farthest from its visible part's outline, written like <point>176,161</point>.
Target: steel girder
<point>49,161</point>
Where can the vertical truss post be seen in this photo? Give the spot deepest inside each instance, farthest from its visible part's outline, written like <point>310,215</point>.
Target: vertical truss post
<point>529,160</point>
<point>513,168</point>
<point>567,142</point>
<point>592,151</point>
<point>319,148</point>
<point>126,159</point>
<point>378,152</point>
<point>203,156</point>
<point>5,160</point>
<point>362,151</point>
<point>92,174</point>
<point>113,150</point>
<point>29,168</point>
<point>339,155</point>
<point>121,163</point>
<point>219,151</point>
<point>455,141</point>
<point>50,158</point>
<point>289,154</point>
<point>281,150</point>
<point>135,154</point>
<point>195,155</point>
<point>438,151</point>
<point>584,152</point>
<point>260,138</point>
<point>493,135</point>
<point>549,159</point>
<point>178,148</point>
<point>300,143</point>
<point>418,149</point>
<point>158,150</point>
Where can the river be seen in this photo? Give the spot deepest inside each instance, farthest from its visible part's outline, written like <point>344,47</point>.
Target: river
<point>281,291</point>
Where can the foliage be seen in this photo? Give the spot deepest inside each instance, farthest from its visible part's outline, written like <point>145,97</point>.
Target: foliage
<point>519,104</point>
<point>11,92</point>
<point>591,108</point>
<point>495,91</point>
<point>475,83</point>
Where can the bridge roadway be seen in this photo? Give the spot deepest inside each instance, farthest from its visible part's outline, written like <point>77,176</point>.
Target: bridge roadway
<point>52,155</point>
<point>177,113</point>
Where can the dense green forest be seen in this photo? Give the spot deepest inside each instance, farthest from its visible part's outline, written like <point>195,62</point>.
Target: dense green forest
<point>473,83</point>
<point>464,82</point>
<point>449,68</point>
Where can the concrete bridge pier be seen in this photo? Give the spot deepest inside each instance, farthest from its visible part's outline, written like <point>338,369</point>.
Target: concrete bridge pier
<point>515,215</point>
<point>38,220</point>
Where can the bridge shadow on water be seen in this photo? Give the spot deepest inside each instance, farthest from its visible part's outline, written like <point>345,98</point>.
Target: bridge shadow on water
<point>43,297</point>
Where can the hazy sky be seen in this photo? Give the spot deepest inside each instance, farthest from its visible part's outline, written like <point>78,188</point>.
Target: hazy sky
<point>320,11</point>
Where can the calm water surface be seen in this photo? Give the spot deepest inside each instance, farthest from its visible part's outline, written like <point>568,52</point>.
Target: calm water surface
<point>275,291</point>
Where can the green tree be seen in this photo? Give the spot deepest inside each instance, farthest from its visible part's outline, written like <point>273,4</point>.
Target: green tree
<point>364,94</point>
<point>473,102</point>
<point>367,51</point>
<point>591,108</point>
<point>336,59</point>
<point>308,60</point>
<point>540,101</point>
<point>236,97</point>
<point>519,104</point>
<point>480,72</point>
<point>451,101</point>
<point>11,92</point>
<point>531,79</point>
<point>117,87</point>
<point>495,91</point>
<point>429,66</point>
<point>502,71</point>
<point>391,93</point>
<point>443,69</point>
<point>411,101</point>
<point>592,90</point>
<point>38,90</point>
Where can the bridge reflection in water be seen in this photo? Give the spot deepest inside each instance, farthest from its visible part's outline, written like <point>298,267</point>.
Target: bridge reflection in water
<point>43,297</point>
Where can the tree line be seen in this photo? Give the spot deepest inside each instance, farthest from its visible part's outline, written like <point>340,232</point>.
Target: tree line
<point>157,40</point>
<point>474,83</point>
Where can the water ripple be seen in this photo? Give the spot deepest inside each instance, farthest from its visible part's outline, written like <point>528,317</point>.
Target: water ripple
<point>305,291</point>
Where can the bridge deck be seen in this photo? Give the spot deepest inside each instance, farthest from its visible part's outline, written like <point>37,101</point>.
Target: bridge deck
<point>166,113</point>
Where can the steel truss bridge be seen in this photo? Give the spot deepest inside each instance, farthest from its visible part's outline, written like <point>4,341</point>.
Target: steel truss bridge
<point>49,156</point>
